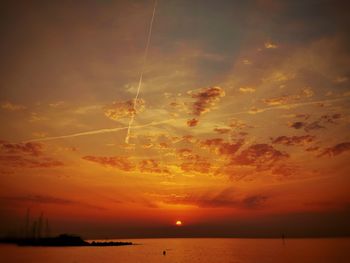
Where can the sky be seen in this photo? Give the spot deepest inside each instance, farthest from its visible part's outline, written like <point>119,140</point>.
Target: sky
<point>241,127</point>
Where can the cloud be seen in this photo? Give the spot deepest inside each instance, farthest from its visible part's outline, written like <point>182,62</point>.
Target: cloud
<point>222,147</point>
<point>247,89</point>
<point>30,148</point>
<point>25,155</point>
<point>126,109</point>
<point>312,148</point>
<point>152,166</point>
<point>196,163</point>
<point>193,162</point>
<point>285,170</point>
<point>120,162</point>
<point>222,130</point>
<point>294,140</point>
<point>254,201</point>
<point>336,149</point>
<point>297,125</point>
<point>287,99</point>
<point>277,100</point>
<point>47,199</point>
<point>238,124</point>
<point>236,127</point>
<point>318,123</point>
<point>12,107</point>
<point>41,199</point>
<point>307,126</point>
<point>205,99</point>
<point>341,79</point>
<point>17,161</point>
<point>35,117</point>
<point>270,45</point>
<point>262,156</point>
<point>192,122</point>
<point>330,118</point>
<point>57,104</point>
<point>224,198</point>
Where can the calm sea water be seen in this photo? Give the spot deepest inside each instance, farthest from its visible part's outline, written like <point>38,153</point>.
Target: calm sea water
<point>192,250</point>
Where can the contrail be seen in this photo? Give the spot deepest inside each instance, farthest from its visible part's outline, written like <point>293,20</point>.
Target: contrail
<point>95,132</point>
<point>132,118</point>
<point>286,106</point>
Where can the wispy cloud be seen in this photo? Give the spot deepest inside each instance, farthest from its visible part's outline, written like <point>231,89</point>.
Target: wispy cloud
<point>9,106</point>
<point>49,200</point>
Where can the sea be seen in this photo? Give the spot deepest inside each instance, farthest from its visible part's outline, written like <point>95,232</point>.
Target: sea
<point>190,250</point>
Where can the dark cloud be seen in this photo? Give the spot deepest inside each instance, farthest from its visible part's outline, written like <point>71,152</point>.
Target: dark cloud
<point>205,99</point>
<point>222,130</point>
<point>225,198</point>
<point>307,126</point>
<point>262,156</point>
<point>119,162</point>
<point>42,199</point>
<point>46,199</point>
<point>312,148</point>
<point>294,140</point>
<point>17,161</point>
<point>30,148</point>
<point>303,116</point>
<point>254,201</point>
<point>330,118</point>
<point>336,149</point>
<point>192,122</point>
<point>317,124</point>
<point>297,125</point>
<point>25,155</point>
<point>285,170</point>
<point>124,164</point>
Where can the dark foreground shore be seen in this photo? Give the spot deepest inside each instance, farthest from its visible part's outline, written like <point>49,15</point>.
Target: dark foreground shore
<point>61,241</point>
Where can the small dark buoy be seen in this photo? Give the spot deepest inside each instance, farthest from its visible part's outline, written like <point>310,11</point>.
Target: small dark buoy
<point>164,252</point>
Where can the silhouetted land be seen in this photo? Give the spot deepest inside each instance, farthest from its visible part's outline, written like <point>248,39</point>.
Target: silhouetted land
<point>60,241</point>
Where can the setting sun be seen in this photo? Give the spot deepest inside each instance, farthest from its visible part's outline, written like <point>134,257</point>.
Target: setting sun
<point>178,223</point>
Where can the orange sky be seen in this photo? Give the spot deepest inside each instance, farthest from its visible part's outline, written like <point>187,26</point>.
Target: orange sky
<point>242,123</point>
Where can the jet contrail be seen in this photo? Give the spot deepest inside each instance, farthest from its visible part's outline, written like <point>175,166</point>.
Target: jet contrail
<point>141,74</point>
<point>94,132</point>
<point>285,106</point>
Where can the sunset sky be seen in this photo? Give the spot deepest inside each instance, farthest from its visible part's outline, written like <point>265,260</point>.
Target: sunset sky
<point>241,128</point>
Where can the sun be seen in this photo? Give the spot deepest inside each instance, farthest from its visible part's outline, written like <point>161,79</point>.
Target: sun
<point>178,223</point>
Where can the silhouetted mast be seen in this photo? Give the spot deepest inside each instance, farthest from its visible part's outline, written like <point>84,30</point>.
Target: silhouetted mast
<point>40,224</point>
<point>34,230</point>
<point>26,228</point>
<point>47,228</point>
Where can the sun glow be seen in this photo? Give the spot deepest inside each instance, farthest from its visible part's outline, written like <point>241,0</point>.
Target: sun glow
<point>178,223</point>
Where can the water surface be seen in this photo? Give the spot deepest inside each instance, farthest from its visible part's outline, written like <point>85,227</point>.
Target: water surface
<point>192,250</point>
